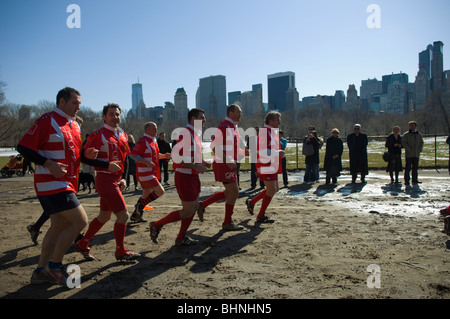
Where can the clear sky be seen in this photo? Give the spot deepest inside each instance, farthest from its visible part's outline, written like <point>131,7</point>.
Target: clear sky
<point>169,44</point>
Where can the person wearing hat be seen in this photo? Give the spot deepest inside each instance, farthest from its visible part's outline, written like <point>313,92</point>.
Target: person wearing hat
<point>412,142</point>
<point>333,154</point>
<point>357,145</point>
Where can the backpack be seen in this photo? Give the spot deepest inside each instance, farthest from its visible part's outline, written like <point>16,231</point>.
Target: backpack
<point>307,149</point>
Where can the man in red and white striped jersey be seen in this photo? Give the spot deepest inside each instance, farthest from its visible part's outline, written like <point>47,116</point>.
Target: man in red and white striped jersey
<point>53,143</point>
<point>146,155</point>
<point>227,152</point>
<point>268,165</point>
<point>187,163</point>
<point>112,143</point>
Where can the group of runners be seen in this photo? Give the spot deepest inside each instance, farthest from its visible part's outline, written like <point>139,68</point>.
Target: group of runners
<point>54,144</point>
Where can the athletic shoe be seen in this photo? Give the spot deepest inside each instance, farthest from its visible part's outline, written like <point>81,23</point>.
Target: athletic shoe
<point>265,220</point>
<point>33,233</point>
<point>154,232</point>
<point>200,211</point>
<point>127,255</point>
<point>231,227</point>
<point>184,242</point>
<point>40,278</point>
<point>85,252</point>
<point>135,217</point>
<point>138,210</point>
<point>58,275</point>
<point>250,206</point>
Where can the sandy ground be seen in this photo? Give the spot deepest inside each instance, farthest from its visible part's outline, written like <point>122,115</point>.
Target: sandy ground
<point>320,247</point>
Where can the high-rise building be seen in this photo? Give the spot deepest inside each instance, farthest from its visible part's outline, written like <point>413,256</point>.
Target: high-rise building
<point>397,95</point>
<point>437,66</point>
<point>234,97</point>
<point>247,103</point>
<point>181,104</point>
<point>136,97</point>
<point>282,94</point>
<point>425,59</point>
<point>421,89</point>
<point>212,95</point>
<point>386,80</point>
<point>339,100</point>
<point>257,92</point>
<point>370,86</point>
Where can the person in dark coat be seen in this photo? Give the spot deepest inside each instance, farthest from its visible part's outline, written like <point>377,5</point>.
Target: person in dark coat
<point>131,166</point>
<point>333,157</point>
<point>357,145</point>
<point>164,148</point>
<point>394,146</point>
<point>312,161</point>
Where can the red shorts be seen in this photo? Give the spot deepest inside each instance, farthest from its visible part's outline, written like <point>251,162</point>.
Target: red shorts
<point>149,184</point>
<point>188,186</point>
<point>111,199</point>
<point>224,174</point>
<point>268,177</point>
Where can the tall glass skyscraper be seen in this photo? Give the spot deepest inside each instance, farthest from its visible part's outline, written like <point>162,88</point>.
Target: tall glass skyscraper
<point>212,95</point>
<point>136,97</point>
<point>281,90</point>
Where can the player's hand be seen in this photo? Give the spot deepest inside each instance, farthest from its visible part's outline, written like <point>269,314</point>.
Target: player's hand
<point>58,170</point>
<point>114,167</point>
<point>149,164</point>
<point>201,168</point>
<point>91,153</point>
<point>122,184</point>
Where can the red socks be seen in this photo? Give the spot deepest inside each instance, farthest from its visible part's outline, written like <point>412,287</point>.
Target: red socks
<point>228,213</point>
<point>214,198</point>
<point>119,235</point>
<point>265,203</point>
<point>258,197</point>
<point>95,226</point>
<point>185,223</point>
<point>174,217</point>
<point>169,218</point>
<point>93,229</point>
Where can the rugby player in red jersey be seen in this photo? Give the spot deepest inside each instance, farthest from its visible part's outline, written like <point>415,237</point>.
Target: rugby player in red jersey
<point>227,151</point>
<point>53,143</point>
<point>146,155</point>
<point>188,164</point>
<point>268,165</point>
<point>112,143</point>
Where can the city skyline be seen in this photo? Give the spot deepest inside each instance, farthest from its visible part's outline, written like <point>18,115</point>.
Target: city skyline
<point>169,45</point>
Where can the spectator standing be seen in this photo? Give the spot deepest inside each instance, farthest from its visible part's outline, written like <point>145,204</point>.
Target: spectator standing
<point>164,147</point>
<point>333,157</point>
<point>412,142</point>
<point>357,145</point>
<point>394,146</point>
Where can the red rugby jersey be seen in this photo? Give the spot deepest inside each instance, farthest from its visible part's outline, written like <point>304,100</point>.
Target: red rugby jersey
<point>147,147</point>
<point>226,140</point>
<point>188,149</point>
<point>268,157</point>
<point>56,136</point>
<point>112,145</point>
